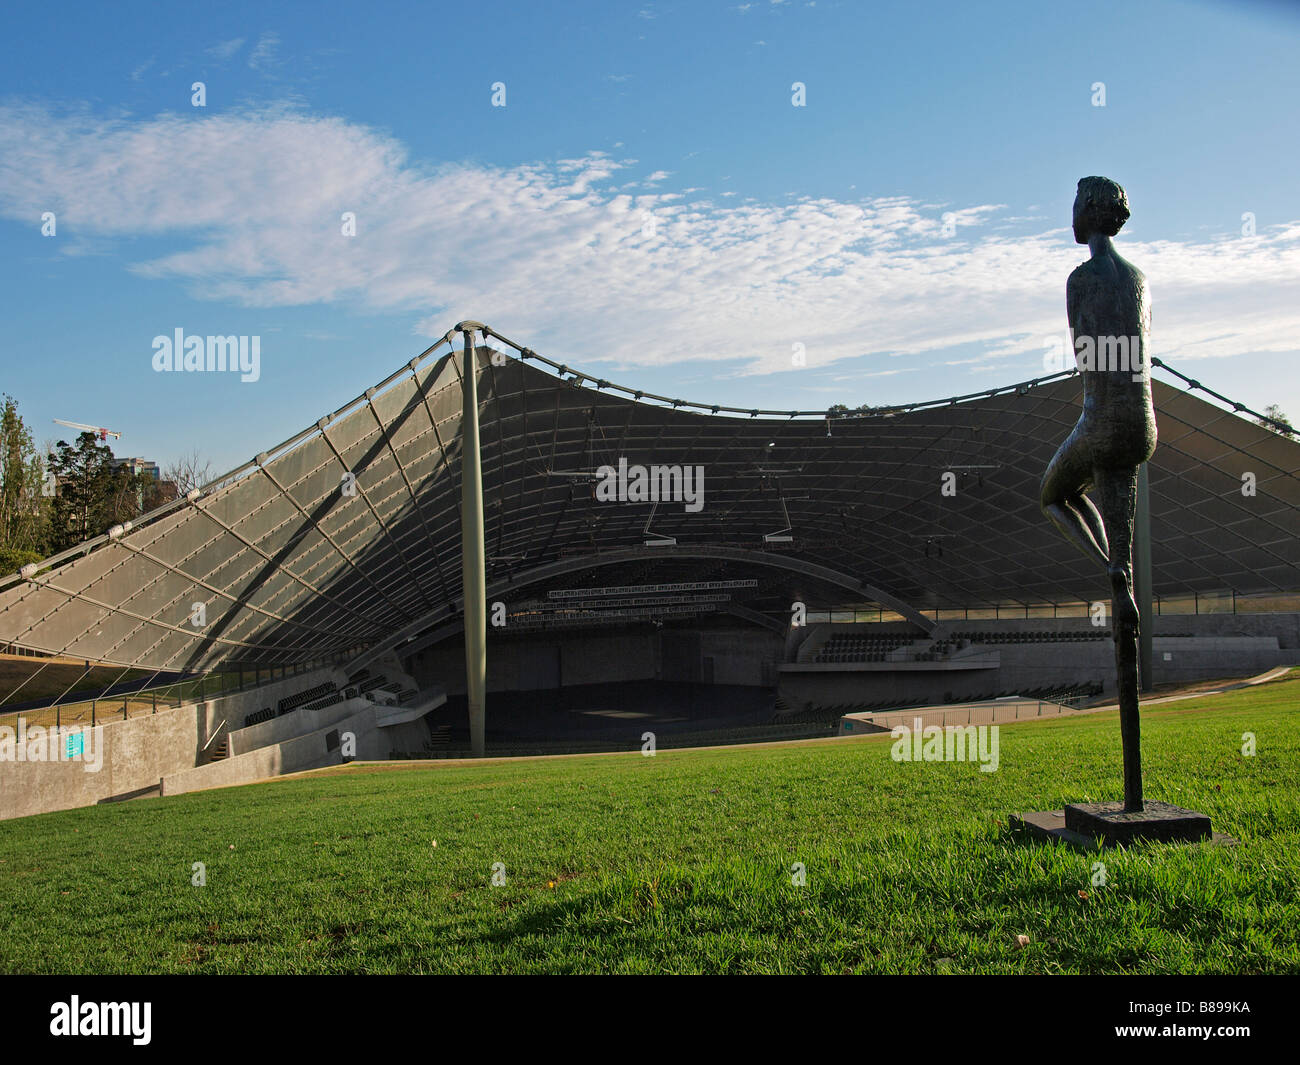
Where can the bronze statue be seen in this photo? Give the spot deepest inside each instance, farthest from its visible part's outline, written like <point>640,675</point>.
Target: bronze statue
<point>1110,319</point>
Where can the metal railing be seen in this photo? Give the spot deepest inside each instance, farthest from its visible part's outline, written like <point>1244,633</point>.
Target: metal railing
<point>215,733</point>
<point>171,695</point>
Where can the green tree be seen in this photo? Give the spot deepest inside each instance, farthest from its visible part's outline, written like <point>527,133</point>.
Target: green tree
<point>12,560</point>
<point>839,410</point>
<point>92,496</point>
<point>1278,415</point>
<point>24,505</point>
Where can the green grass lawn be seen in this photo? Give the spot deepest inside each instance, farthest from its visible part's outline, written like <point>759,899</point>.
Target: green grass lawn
<point>682,863</point>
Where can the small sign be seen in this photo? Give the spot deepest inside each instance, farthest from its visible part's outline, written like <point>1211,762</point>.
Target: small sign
<point>848,726</point>
<point>74,745</point>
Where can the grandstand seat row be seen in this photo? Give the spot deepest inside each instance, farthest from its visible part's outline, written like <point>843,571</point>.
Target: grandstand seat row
<point>258,716</point>
<point>1058,636</point>
<point>292,702</point>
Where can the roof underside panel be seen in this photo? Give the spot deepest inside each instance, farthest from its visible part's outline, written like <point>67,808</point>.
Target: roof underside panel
<point>352,534</point>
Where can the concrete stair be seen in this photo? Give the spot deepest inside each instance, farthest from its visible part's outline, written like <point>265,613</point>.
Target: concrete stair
<point>217,752</point>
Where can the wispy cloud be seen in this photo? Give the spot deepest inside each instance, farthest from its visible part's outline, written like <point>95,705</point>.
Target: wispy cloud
<point>550,252</point>
<point>263,56</point>
<point>224,50</point>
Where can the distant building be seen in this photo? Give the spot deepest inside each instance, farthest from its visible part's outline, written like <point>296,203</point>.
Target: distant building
<point>158,493</point>
<point>138,466</point>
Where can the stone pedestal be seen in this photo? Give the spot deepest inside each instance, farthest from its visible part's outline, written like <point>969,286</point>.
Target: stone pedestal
<point>1086,824</point>
<point>1156,820</point>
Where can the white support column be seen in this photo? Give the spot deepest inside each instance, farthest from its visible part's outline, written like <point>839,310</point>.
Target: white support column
<point>473,553</point>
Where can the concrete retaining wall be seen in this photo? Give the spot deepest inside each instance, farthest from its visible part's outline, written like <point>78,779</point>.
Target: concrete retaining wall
<point>1286,627</point>
<point>543,662</point>
<point>311,751</point>
<point>1204,658</point>
<point>744,656</point>
<point>1028,667</point>
<point>996,713</point>
<point>548,661</point>
<point>137,753</point>
<point>234,708</point>
<point>296,723</point>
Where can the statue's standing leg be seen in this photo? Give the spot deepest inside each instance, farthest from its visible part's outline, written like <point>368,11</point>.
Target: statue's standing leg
<point>1117,495</point>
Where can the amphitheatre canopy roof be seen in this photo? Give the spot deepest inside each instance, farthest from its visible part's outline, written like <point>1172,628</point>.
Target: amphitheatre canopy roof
<point>295,560</point>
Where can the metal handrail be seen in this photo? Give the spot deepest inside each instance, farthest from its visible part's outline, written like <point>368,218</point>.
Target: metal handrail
<point>215,733</point>
<point>154,689</point>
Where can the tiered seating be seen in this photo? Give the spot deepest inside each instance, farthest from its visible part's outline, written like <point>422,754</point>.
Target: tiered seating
<point>850,647</point>
<point>258,716</point>
<point>1057,694</point>
<point>939,650</point>
<point>292,702</point>
<point>1045,636</point>
<point>371,683</point>
<point>828,713</point>
<point>367,683</point>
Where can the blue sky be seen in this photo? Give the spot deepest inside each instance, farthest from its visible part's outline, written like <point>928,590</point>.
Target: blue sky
<point>648,205</point>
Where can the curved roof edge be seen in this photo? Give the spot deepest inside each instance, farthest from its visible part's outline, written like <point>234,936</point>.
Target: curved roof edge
<point>576,378</point>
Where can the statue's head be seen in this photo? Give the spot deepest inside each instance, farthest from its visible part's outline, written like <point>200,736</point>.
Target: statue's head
<point>1101,206</point>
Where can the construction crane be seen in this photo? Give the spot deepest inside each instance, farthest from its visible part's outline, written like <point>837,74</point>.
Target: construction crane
<point>100,431</point>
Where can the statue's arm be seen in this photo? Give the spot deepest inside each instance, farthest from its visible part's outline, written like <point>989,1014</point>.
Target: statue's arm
<point>1073,302</point>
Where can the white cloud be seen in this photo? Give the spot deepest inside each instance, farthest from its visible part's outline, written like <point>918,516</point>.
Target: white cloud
<point>263,55</point>
<point>552,253</point>
<point>223,50</point>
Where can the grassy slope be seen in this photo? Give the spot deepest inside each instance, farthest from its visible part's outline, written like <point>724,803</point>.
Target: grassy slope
<point>681,863</point>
